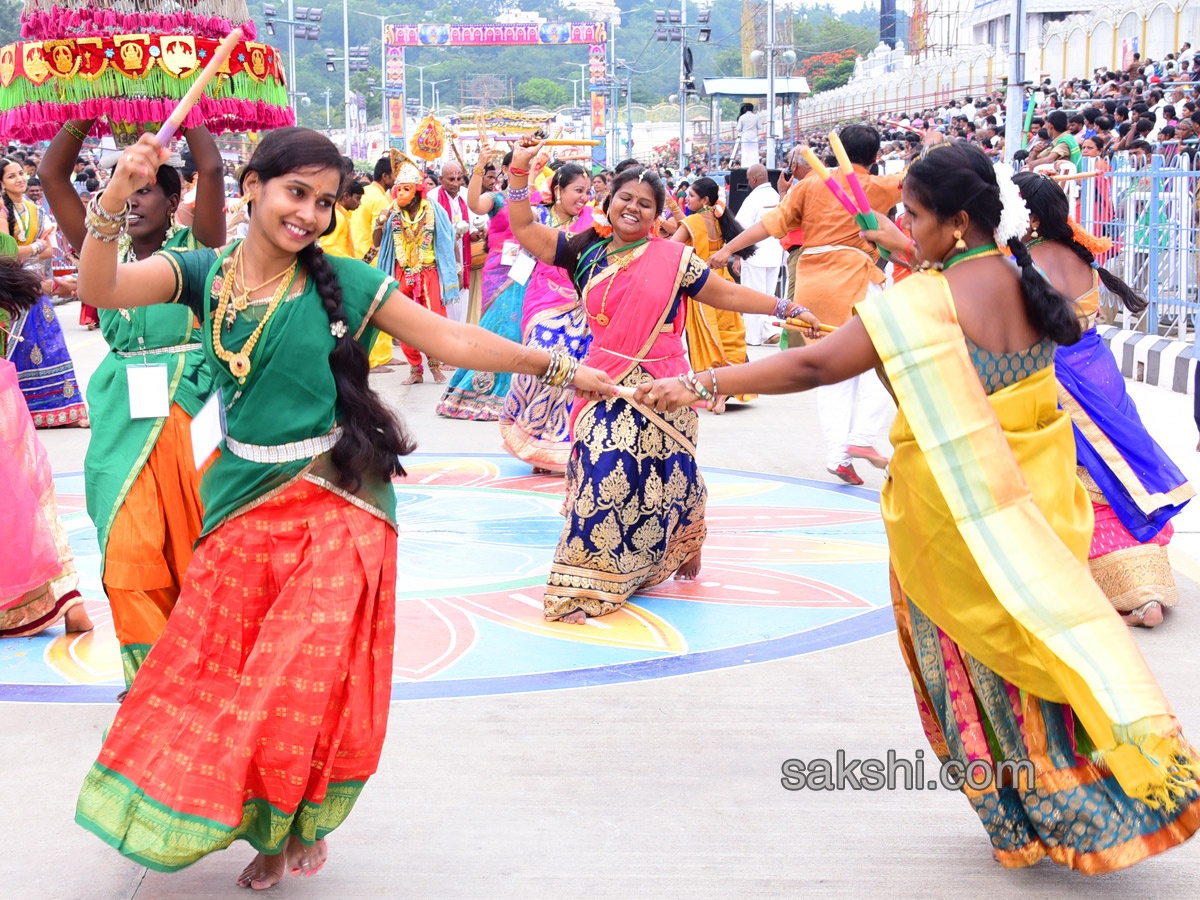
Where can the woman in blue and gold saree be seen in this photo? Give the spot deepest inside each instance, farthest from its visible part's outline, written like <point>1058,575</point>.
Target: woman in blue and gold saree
<point>635,497</point>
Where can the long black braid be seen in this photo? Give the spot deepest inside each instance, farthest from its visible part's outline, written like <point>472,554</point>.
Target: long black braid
<point>373,437</point>
<point>9,206</point>
<point>1049,204</point>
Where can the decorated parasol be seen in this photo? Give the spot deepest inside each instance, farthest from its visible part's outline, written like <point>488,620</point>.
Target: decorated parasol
<point>127,63</point>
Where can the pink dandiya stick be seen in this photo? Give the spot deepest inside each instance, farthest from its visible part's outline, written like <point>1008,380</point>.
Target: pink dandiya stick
<point>860,196</point>
<point>823,173</point>
<point>184,106</point>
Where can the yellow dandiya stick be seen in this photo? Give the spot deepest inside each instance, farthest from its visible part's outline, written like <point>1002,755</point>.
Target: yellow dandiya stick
<point>1078,176</point>
<point>184,106</point>
<point>801,324</point>
<point>581,142</point>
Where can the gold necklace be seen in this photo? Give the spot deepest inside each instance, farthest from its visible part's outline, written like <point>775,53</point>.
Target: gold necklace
<point>623,263</point>
<point>239,362</point>
<point>562,224</point>
<point>243,300</point>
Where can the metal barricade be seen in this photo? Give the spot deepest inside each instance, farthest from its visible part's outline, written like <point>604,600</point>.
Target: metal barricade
<point>1148,209</point>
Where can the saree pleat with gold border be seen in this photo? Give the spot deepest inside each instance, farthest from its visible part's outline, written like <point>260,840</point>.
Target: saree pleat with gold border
<point>635,496</point>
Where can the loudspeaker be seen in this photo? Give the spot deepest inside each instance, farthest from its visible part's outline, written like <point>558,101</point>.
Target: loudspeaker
<point>739,190</point>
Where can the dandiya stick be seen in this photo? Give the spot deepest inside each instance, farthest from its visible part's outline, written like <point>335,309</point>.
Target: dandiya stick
<point>184,106</point>
<point>1078,176</point>
<point>860,196</point>
<point>866,220</point>
<point>802,325</point>
<point>823,173</point>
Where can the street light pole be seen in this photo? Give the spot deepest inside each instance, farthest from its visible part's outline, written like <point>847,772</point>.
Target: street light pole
<point>421,76</point>
<point>346,67</point>
<point>770,84</point>
<point>434,93</point>
<point>387,132</point>
<point>1014,110</point>
<point>328,92</point>
<point>682,81</point>
<point>574,91</point>
<point>291,48</point>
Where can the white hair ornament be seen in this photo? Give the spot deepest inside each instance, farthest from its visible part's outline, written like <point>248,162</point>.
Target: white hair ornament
<point>1014,214</point>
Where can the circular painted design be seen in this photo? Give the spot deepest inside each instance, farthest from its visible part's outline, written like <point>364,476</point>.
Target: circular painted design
<point>790,567</point>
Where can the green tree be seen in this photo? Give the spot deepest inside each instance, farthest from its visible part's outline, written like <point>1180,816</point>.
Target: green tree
<point>836,77</point>
<point>542,92</point>
<point>10,21</point>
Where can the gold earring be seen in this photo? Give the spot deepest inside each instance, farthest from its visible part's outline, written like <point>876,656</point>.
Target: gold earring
<point>959,244</point>
<point>1033,235</point>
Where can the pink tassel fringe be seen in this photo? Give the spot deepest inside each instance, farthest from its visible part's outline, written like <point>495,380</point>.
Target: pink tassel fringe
<point>40,122</point>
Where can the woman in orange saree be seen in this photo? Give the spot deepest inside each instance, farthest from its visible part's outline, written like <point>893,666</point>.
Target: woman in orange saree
<point>635,498</point>
<point>715,337</point>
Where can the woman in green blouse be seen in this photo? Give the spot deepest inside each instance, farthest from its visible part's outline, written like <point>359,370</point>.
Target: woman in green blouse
<point>261,711</point>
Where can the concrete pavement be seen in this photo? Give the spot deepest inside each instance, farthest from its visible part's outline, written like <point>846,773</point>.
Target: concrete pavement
<point>661,789</point>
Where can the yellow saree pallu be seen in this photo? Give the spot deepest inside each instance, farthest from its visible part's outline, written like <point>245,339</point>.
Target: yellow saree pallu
<point>715,337</point>
<point>989,531</point>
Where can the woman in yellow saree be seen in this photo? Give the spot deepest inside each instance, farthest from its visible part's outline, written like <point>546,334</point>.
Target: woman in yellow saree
<point>715,337</point>
<point>1015,653</point>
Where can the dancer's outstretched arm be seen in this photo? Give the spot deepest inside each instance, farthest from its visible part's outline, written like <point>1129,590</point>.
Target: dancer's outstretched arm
<point>472,347</point>
<point>845,353</point>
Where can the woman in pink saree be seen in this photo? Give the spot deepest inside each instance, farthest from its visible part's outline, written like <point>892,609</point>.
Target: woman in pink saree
<point>535,424</point>
<point>635,497</point>
<point>37,569</point>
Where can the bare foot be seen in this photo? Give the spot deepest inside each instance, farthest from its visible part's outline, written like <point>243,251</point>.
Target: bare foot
<point>1148,615</point>
<point>77,619</point>
<point>305,860</point>
<point>719,406</point>
<point>579,617</point>
<point>382,370</point>
<point>414,377</point>
<point>690,569</point>
<point>439,376</point>
<point>263,872</point>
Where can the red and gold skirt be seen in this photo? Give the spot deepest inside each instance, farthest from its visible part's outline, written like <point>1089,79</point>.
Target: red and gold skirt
<point>261,711</point>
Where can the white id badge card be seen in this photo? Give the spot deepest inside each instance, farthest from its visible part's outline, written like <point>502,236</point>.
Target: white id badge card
<point>509,253</point>
<point>522,268</point>
<point>208,429</point>
<point>148,394</point>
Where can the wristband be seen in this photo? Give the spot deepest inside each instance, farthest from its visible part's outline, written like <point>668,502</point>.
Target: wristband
<point>513,170</point>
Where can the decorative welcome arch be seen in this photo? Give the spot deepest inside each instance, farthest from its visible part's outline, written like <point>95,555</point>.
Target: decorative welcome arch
<point>594,34</point>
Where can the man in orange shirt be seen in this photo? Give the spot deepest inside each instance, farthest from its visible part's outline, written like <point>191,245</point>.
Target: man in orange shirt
<point>836,270</point>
